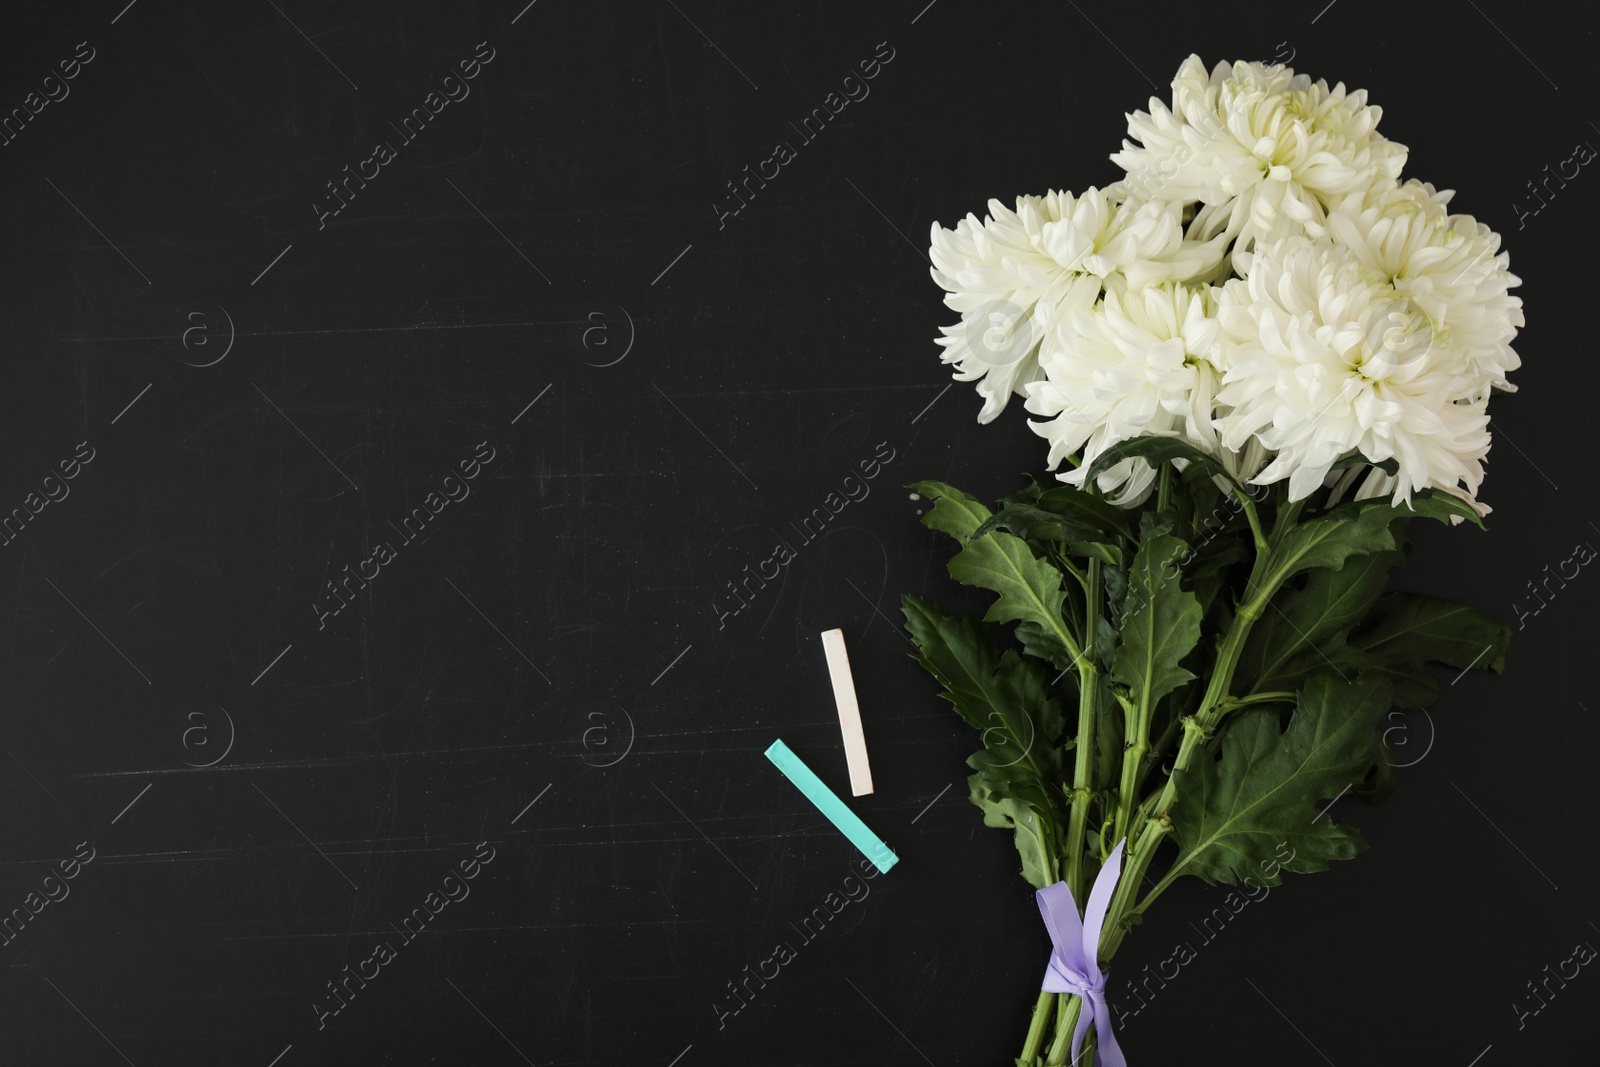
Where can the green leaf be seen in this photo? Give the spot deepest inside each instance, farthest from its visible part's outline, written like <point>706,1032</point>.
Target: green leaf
<point>1034,523</point>
<point>1234,815</point>
<point>1434,504</point>
<point>1303,628</point>
<point>1425,503</point>
<point>1356,459</point>
<point>1329,540</point>
<point>1010,813</point>
<point>1155,451</point>
<point>1004,696</point>
<point>1160,625</point>
<point>1408,630</point>
<point>1029,493</point>
<point>1029,589</point>
<point>1152,522</point>
<point>1038,642</point>
<point>1086,508</point>
<point>1115,580</point>
<point>1108,554</point>
<point>1380,782</point>
<point>1216,554</point>
<point>953,511</point>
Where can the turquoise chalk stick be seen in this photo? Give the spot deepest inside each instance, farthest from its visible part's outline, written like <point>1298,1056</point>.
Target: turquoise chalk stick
<point>827,802</point>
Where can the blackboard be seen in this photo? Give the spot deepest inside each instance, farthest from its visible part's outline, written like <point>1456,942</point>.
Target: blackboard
<point>388,672</point>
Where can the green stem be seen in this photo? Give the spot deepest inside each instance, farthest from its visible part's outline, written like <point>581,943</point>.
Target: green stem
<point>1088,712</point>
<point>1060,559</point>
<point>1138,859</point>
<point>1197,728</point>
<point>1255,520</point>
<point>1136,745</point>
<point>1066,1022</point>
<point>1274,697</point>
<point>1042,1014</point>
<point>1049,840</point>
<point>1162,743</point>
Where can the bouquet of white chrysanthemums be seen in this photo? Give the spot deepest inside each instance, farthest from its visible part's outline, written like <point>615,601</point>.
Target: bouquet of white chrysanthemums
<point>1259,353</point>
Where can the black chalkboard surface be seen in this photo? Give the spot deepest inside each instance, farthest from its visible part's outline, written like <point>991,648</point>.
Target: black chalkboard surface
<point>386,683</point>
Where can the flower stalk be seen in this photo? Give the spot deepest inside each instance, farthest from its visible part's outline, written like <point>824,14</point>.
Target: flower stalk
<point>1088,716</point>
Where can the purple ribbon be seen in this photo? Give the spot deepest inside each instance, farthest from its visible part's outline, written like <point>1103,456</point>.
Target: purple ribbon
<point>1075,962</point>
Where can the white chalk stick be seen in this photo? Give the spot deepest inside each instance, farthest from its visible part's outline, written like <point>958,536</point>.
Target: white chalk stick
<point>844,694</point>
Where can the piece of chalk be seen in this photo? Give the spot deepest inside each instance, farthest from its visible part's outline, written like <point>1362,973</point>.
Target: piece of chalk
<point>849,824</point>
<point>844,695</point>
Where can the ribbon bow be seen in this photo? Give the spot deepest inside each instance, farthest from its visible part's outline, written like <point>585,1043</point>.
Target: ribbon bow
<point>1075,962</point>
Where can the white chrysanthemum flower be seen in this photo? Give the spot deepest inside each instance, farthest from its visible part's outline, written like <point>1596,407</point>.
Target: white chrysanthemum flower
<point>1448,265</point>
<point>1013,274</point>
<point>1135,365</point>
<point>1267,151</point>
<point>1323,358</point>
